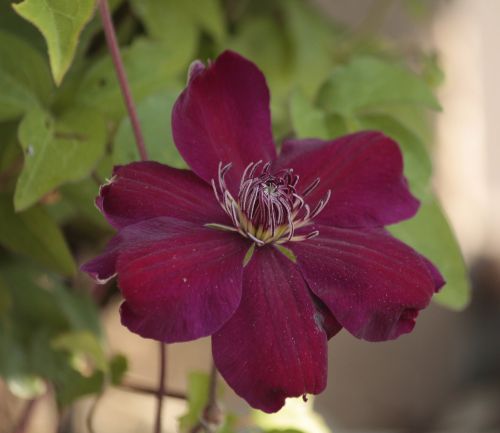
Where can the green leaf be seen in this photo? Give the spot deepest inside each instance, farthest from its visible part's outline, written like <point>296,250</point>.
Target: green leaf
<point>261,40</point>
<point>430,234</point>
<point>307,121</point>
<point>178,24</point>
<point>118,366</point>
<point>367,82</point>
<point>26,386</point>
<point>57,150</point>
<point>207,14</point>
<point>78,308</point>
<point>82,344</point>
<point>34,234</point>
<point>307,28</point>
<point>154,114</point>
<point>25,80</point>
<point>197,391</point>
<point>150,65</point>
<point>417,164</point>
<point>10,153</point>
<point>41,339</point>
<point>32,302</point>
<point>80,198</point>
<point>60,22</point>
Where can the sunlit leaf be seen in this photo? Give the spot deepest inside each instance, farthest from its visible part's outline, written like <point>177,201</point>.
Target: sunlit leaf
<point>307,120</point>
<point>151,66</point>
<point>367,83</point>
<point>430,234</point>
<point>57,150</point>
<point>60,22</point>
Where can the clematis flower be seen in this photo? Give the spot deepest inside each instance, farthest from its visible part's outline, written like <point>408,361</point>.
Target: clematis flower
<point>270,255</point>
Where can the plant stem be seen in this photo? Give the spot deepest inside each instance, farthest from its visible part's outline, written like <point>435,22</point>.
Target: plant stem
<point>212,417</point>
<point>24,419</point>
<point>152,391</point>
<point>161,387</point>
<point>114,50</point>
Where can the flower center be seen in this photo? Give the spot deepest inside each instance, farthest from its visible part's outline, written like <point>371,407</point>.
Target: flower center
<point>268,208</point>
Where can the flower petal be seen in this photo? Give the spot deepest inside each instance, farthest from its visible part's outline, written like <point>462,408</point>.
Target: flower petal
<point>180,281</point>
<point>364,172</point>
<point>223,115</point>
<point>144,190</point>
<point>438,279</point>
<point>273,347</point>
<point>372,283</point>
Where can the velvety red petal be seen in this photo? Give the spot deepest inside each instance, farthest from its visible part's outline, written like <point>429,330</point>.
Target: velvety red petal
<point>182,281</point>
<point>438,279</point>
<point>223,115</point>
<point>274,346</point>
<point>103,267</point>
<point>144,190</point>
<point>364,172</point>
<point>373,284</point>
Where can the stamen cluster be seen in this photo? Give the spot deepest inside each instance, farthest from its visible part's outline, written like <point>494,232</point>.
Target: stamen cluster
<point>268,208</point>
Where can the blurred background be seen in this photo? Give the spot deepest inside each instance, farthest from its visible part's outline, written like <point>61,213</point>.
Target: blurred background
<point>445,376</point>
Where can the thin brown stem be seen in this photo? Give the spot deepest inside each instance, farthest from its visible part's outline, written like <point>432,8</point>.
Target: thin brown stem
<point>133,387</point>
<point>212,416</point>
<point>114,50</point>
<point>161,386</point>
<point>25,418</point>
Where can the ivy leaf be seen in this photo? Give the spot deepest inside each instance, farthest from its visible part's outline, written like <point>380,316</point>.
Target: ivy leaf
<point>417,164</point>
<point>25,80</point>
<point>307,120</point>
<point>367,82</point>
<point>154,114</point>
<point>57,150</point>
<point>60,22</point>
<point>306,28</point>
<point>151,66</point>
<point>33,233</point>
<point>430,234</point>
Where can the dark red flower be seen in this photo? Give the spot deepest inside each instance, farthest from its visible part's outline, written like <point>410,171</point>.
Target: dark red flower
<point>269,254</point>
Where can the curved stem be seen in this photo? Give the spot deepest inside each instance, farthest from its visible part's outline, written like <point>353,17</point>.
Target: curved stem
<point>161,387</point>
<point>114,50</point>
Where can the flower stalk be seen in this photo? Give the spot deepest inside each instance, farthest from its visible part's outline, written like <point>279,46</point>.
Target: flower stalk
<point>114,50</point>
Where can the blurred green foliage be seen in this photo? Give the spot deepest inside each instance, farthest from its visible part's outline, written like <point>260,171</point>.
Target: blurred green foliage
<point>63,125</point>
